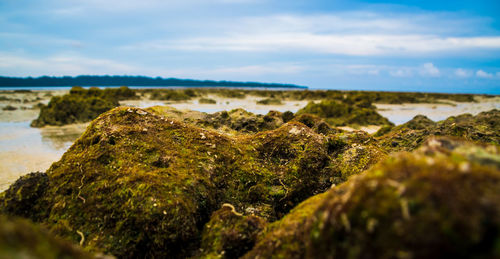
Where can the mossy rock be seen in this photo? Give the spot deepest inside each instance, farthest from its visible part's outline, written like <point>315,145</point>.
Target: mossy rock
<point>171,94</point>
<point>420,122</point>
<point>483,127</point>
<point>81,105</point>
<point>438,202</point>
<point>20,238</point>
<point>270,101</point>
<point>139,184</point>
<point>22,197</point>
<point>207,101</point>
<point>343,112</point>
<point>229,234</point>
<point>239,121</point>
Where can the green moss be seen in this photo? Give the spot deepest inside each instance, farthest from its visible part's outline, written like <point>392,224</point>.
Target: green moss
<point>383,130</point>
<point>81,105</point>
<point>483,127</point>
<point>137,183</point>
<point>344,112</point>
<point>21,239</point>
<point>148,182</point>
<point>434,203</point>
<point>207,101</point>
<point>172,94</point>
<point>270,101</point>
<point>229,234</point>
<point>285,238</point>
<point>22,197</point>
<point>428,204</point>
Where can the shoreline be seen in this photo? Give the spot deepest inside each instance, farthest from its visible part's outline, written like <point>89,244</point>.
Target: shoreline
<point>25,149</point>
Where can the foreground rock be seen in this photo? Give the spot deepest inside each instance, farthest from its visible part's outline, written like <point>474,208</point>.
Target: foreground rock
<point>152,183</point>
<point>440,202</point>
<point>21,239</point>
<point>137,183</point>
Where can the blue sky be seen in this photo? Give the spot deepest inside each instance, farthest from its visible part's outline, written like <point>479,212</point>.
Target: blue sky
<point>439,46</point>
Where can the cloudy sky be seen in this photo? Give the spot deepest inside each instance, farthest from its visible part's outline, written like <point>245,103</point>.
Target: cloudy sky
<point>440,46</point>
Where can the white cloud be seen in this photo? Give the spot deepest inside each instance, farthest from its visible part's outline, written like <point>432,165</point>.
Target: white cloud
<point>259,69</point>
<point>401,72</point>
<point>462,73</point>
<point>345,33</point>
<point>428,69</point>
<point>356,45</point>
<point>482,74</point>
<point>60,65</point>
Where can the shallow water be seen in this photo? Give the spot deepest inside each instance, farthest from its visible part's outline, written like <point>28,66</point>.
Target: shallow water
<point>24,149</point>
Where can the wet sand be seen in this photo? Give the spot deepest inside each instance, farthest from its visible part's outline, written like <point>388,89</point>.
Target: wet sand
<point>24,149</point>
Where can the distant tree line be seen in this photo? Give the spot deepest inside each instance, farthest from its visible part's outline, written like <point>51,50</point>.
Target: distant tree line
<point>85,80</point>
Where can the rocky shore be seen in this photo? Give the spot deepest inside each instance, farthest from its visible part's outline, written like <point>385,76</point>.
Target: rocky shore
<point>164,183</point>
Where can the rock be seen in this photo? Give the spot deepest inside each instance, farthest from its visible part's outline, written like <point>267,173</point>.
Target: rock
<point>23,196</point>
<point>483,127</point>
<point>229,234</point>
<point>22,239</point>
<point>148,193</point>
<point>437,202</point>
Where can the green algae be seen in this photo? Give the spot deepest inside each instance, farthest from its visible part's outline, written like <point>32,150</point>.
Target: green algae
<point>20,238</point>
<point>137,183</point>
<point>270,101</point>
<point>148,182</point>
<point>436,202</point>
<point>483,127</point>
<point>22,197</point>
<point>207,101</point>
<point>229,234</point>
<point>341,113</point>
<point>81,105</point>
<point>237,121</point>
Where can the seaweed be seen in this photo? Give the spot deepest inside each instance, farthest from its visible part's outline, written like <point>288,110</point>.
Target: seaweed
<point>207,101</point>
<point>22,197</point>
<point>439,201</point>
<point>159,182</point>
<point>80,105</point>
<point>229,234</point>
<point>483,127</point>
<point>341,113</point>
<point>172,94</point>
<point>20,238</point>
<point>270,101</point>
<point>139,184</point>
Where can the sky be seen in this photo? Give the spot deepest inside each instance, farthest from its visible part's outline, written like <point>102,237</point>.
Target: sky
<point>432,46</point>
